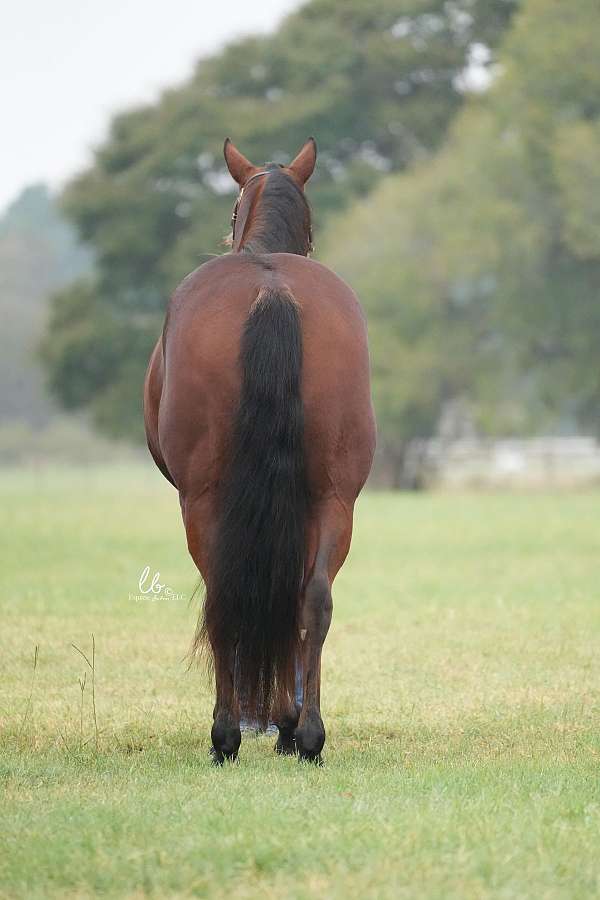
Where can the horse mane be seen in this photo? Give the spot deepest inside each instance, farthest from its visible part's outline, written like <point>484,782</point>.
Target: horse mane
<point>282,222</point>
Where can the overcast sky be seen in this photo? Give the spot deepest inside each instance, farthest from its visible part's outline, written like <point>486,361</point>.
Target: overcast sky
<point>67,65</point>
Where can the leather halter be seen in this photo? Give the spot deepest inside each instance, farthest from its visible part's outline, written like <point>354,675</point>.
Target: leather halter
<point>234,214</point>
<point>236,207</point>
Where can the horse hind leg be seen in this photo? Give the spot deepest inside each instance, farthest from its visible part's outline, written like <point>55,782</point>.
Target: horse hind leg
<point>225,733</point>
<point>316,618</point>
<point>334,527</point>
<point>199,517</point>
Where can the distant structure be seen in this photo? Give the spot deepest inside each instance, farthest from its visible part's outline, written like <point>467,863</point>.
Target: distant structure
<point>533,462</point>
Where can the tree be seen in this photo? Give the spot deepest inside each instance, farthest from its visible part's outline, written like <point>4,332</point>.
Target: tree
<point>39,253</point>
<point>484,280</point>
<point>377,86</point>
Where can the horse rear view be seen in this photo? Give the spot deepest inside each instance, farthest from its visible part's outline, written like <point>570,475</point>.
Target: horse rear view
<point>257,408</point>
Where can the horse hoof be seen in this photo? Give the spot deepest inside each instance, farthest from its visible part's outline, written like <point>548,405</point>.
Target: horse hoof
<point>310,759</point>
<point>226,738</point>
<point>310,739</point>
<point>219,759</point>
<point>286,747</point>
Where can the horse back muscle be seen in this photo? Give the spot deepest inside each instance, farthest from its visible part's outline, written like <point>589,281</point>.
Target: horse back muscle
<point>201,378</point>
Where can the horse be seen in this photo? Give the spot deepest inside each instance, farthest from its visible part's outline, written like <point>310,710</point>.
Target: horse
<point>257,408</point>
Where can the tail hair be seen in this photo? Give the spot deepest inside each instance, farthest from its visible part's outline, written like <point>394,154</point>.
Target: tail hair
<point>257,567</point>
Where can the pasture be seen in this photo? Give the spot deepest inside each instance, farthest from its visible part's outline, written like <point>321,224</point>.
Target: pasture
<point>461,698</point>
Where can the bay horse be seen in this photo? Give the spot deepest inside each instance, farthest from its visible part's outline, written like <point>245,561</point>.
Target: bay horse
<point>258,410</point>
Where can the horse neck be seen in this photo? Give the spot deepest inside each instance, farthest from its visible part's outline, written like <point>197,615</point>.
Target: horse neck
<point>270,233</point>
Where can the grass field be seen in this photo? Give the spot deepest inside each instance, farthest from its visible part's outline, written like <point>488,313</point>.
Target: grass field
<point>461,699</point>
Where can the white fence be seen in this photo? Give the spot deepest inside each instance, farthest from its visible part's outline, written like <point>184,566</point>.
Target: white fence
<point>540,462</point>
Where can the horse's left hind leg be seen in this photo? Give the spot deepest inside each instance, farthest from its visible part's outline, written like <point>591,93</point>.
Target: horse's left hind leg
<point>225,733</point>
<point>199,517</point>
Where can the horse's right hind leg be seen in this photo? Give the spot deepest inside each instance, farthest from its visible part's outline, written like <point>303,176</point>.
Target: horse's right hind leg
<point>333,526</point>
<point>316,618</point>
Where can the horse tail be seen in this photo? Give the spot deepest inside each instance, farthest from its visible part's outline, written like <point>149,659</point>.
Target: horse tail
<point>257,565</point>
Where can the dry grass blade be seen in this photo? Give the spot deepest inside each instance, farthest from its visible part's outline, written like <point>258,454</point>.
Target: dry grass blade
<point>92,666</point>
<point>29,703</point>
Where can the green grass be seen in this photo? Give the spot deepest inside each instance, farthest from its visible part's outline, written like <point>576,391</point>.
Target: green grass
<point>461,697</point>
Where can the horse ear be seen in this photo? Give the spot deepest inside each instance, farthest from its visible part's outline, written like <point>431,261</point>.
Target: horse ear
<point>239,167</point>
<point>303,165</point>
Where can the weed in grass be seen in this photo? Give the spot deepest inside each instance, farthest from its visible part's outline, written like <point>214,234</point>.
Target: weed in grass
<point>92,666</point>
<point>29,704</point>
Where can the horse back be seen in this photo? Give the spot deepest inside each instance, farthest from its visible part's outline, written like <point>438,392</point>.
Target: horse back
<point>200,373</point>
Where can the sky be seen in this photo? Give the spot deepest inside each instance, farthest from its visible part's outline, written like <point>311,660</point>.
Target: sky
<point>68,65</point>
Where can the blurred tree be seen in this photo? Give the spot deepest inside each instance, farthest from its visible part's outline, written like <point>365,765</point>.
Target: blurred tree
<point>376,83</point>
<point>39,253</point>
<point>484,280</point>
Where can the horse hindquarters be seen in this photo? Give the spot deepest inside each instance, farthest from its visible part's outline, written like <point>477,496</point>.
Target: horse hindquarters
<point>153,385</point>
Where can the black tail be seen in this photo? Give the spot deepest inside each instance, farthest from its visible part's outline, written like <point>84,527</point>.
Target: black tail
<point>258,560</point>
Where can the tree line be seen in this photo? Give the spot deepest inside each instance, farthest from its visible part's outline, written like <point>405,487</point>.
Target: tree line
<point>468,221</point>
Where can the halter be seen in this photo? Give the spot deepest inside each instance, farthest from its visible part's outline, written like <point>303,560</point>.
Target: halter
<point>236,207</point>
<point>234,214</point>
